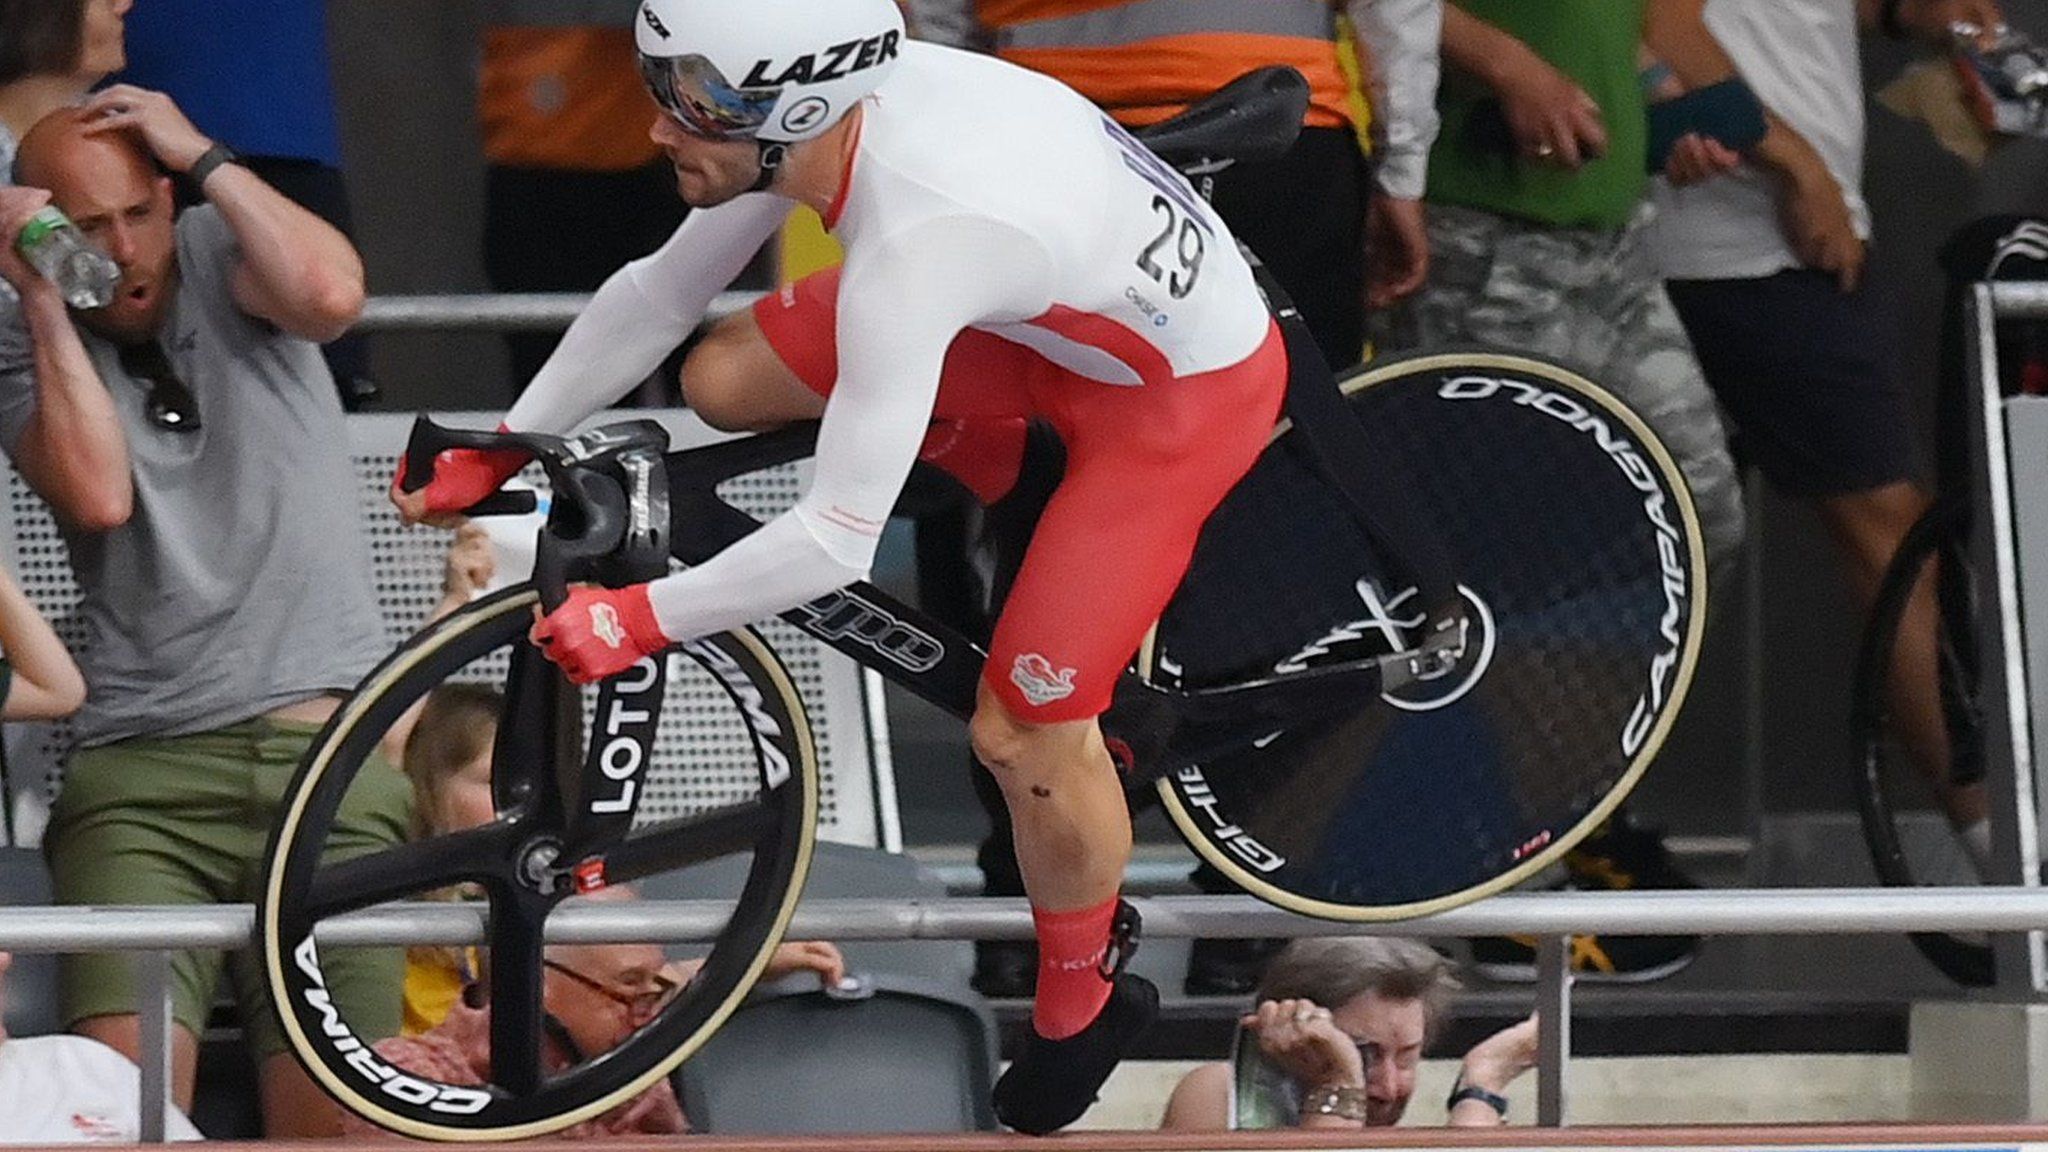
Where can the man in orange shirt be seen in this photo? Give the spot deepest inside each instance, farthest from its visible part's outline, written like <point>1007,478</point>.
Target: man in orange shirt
<point>564,120</point>
<point>1333,237</point>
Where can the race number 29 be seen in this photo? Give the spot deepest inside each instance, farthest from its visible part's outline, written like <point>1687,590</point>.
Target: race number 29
<point>1174,257</point>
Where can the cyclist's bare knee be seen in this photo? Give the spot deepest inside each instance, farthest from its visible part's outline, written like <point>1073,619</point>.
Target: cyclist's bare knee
<point>735,382</point>
<point>1032,758</point>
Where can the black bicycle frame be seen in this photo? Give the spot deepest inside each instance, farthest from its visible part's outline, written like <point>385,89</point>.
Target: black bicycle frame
<point>1162,729</point>
<point>1154,731</point>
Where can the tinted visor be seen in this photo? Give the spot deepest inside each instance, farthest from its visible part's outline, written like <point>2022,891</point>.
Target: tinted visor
<point>702,100</point>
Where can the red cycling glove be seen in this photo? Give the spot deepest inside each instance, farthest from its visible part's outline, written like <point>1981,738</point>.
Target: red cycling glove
<point>600,632</point>
<point>463,476</point>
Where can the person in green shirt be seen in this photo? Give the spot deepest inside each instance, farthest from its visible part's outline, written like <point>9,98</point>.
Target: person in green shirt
<point>1536,211</point>
<point>1538,216</point>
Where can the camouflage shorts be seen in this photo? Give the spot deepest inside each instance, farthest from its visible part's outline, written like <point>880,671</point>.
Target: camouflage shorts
<point>1588,299</point>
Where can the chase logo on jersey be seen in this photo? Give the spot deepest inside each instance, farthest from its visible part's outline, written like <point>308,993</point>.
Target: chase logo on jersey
<point>834,63</point>
<point>1040,682</point>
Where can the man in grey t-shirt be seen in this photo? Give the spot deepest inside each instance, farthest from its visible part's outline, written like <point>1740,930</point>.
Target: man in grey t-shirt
<point>189,439</point>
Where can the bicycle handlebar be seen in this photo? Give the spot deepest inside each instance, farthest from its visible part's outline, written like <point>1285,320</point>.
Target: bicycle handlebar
<point>429,440</point>
<point>596,527</point>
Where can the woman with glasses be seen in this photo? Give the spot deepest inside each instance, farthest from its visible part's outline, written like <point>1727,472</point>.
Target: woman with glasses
<point>447,756</point>
<point>1336,1041</point>
<point>593,996</point>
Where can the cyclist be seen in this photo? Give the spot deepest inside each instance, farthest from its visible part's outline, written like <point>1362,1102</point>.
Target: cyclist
<point>1011,253</point>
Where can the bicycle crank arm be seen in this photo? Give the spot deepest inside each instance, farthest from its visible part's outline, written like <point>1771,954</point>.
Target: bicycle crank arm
<point>1166,729</point>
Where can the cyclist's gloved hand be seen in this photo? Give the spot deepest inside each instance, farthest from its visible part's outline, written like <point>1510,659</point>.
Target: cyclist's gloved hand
<point>462,476</point>
<point>599,632</point>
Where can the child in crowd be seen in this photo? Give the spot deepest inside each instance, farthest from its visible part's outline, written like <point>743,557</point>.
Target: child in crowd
<point>447,756</point>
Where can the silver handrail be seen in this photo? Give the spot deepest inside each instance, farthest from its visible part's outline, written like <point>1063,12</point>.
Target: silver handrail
<point>1710,912</point>
<point>1554,916</point>
<point>2020,299</point>
<point>500,312</point>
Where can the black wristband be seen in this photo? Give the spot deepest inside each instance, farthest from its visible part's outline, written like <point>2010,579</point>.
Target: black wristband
<point>209,160</point>
<point>1463,1091</point>
<point>1888,20</point>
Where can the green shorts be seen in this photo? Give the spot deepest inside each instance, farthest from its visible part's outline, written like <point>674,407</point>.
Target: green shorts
<point>186,820</point>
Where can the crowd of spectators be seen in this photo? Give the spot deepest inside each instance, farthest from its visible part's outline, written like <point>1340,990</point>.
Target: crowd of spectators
<point>190,439</point>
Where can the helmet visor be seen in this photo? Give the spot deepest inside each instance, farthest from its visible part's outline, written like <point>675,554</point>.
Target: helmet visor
<point>693,91</point>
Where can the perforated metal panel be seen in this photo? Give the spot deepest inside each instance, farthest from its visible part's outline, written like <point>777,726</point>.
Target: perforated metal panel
<point>42,565</point>
<point>702,757</point>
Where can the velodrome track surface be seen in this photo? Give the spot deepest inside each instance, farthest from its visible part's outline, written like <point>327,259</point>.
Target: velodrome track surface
<point>1788,1138</point>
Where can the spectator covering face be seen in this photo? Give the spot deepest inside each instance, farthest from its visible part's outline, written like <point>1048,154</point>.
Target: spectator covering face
<point>107,185</point>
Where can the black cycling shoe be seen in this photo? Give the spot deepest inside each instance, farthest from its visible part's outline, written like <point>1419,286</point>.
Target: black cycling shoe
<point>1053,1082</point>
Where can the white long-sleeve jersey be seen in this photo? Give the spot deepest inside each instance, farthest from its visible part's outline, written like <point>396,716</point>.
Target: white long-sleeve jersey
<point>980,195</point>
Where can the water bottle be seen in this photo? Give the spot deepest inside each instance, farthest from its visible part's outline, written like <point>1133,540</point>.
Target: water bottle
<point>85,275</point>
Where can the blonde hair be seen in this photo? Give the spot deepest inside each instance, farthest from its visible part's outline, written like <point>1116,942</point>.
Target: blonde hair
<point>1334,970</point>
<point>456,725</point>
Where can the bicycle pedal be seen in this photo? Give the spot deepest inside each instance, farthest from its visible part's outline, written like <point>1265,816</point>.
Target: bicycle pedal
<point>1439,653</point>
<point>1124,934</point>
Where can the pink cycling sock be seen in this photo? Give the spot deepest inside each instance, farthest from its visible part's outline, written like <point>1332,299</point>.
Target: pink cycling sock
<point>1071,989</point>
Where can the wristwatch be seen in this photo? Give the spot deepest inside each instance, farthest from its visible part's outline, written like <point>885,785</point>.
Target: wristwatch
<point>1342,1100</point>
<point>208,160</point>
<point>1463,1091</point>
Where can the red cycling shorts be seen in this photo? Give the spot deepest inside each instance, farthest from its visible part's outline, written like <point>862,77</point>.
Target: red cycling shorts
<point>1145,468</point>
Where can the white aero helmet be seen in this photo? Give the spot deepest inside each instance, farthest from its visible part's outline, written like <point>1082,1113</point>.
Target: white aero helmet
<point>776,71</point>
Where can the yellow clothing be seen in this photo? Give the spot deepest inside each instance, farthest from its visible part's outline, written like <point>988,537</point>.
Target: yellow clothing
<point>433,985</point>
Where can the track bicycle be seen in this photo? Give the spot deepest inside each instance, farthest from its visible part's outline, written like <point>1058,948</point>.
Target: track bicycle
<point>1344,729</point>
<point>1909,844</point>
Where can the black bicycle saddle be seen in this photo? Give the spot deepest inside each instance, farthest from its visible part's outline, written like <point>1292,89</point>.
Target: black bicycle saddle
<point>1254,117</point>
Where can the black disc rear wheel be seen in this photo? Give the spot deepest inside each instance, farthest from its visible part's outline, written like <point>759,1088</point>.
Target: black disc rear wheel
<point>1579,555</point>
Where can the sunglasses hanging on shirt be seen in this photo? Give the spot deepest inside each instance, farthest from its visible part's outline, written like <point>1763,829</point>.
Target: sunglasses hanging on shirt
<point>170,403</point>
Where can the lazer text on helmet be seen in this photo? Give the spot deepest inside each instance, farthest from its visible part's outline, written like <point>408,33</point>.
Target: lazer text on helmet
<point>836,62</point>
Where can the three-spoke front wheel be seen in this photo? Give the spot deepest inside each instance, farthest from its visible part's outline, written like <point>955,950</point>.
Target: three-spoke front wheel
<point>729,701</point>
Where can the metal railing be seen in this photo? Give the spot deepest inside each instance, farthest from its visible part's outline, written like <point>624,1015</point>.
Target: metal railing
<point>2007,695</point>
<point>1551,916</point>
<point>506,312</point>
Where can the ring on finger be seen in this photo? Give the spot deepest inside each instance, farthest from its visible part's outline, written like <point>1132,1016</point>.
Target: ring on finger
<point>1545,151</point>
